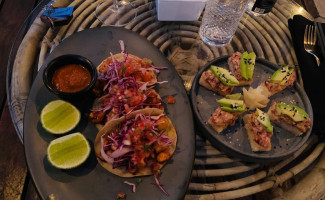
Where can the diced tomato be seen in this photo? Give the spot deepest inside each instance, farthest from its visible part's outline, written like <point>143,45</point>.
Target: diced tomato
<point>130,92</point>
<point>136,136</point>
<point>138,76</point>
<point>149,135</point>
<point>128,71</point>
<point>140,124</point>
<point>121,195</point>
<point>115,89</point>
<point>134,159</point>
<point>136,100</point>
<point>170,100</point>
<point>148,124</point>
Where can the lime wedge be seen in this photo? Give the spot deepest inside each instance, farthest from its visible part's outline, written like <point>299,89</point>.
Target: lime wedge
<point>59,117</point>
<point>68,151</point>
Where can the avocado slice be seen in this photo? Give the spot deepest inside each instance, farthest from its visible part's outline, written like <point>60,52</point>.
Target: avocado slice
<point>243,65</point>
<point>236,96</point>
<point>250,65</point>
<point>286,78</point>
<point>281,75</point>
<point>264,119</point>
<point>232,103</point>
<point>224,76</point>
<point>292,111</point>
<point>228,109</point>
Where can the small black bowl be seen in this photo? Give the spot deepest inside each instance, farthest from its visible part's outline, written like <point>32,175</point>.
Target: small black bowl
<point>61,61</point>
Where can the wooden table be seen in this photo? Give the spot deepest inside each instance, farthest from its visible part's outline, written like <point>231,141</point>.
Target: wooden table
<point>15,182</point>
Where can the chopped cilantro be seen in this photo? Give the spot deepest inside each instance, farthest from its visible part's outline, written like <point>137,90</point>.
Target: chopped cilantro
<point>123,70</point>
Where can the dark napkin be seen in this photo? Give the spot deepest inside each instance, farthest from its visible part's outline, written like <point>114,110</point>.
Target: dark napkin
<point>313,76</point>
<point>321,36</point>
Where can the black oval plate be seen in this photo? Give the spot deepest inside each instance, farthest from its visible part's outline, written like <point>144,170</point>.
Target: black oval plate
<point>233,140</point>
<point>91,180</point>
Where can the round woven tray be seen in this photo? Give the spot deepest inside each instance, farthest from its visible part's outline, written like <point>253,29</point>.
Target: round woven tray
<point>215,175</point>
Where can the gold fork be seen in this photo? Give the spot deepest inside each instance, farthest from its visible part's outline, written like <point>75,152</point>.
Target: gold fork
<point>310,41</point>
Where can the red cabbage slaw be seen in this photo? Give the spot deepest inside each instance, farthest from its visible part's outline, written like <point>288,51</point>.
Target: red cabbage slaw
<point>131,184</point>
<point>120,148</point>
<point>121,142</point>
<point>115,86</point>
<point>126,96</point>
<point>112,75</point>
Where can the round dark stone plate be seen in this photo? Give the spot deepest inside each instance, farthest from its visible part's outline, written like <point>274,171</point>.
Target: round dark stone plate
<point>91,180</point>
<point>234,140</point>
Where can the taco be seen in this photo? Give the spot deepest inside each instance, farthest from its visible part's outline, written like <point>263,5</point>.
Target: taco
<point>123,98</point>
<point>128,65</point>
<point>136,145</point>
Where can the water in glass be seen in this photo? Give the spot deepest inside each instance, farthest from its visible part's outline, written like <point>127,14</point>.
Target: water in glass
<point>220,20</point>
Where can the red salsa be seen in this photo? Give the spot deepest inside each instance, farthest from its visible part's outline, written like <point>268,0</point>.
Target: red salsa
<point>71,78</point>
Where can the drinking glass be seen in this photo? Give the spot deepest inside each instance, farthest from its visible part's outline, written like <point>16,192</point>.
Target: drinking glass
<point>220,20</point>
<point>120,13</point>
